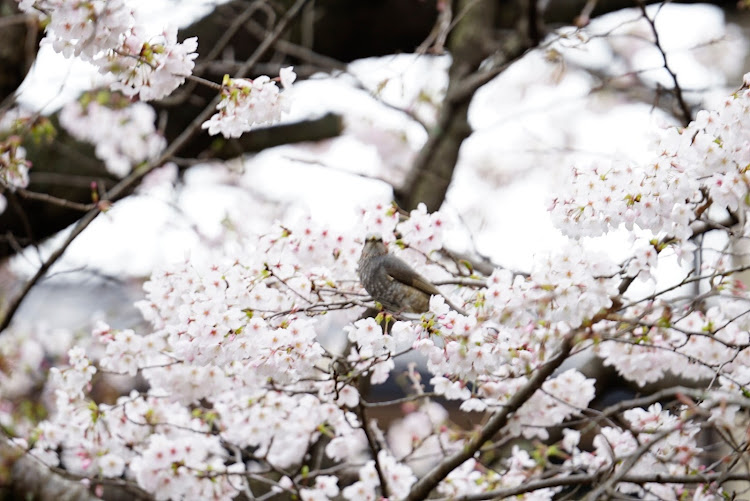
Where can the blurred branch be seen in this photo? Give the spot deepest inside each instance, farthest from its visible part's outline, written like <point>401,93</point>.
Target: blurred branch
<point>429,177</point>
<point>303,71</point>
<point>33,479</point>
<point>328,126</point>
<point>471,42</point>
<point>46,198</point>
<point>435,41</point>
<point>19,38</point>
<point>301,52</point>
<point>535,22</point>
<point>374,448</point>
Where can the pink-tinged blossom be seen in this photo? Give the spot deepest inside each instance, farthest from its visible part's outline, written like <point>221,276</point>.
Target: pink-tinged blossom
<point>15,123</point>
<point>417,438</point>
<point>74,380</point>
<point>380,219</point>
<point>246,104</point>
<point>111,465</point>
<point>366,333</point>
<point>324,489</point>
<point>347,396</point>
<point>287,76</point>
<point>424,231</point>
<point>452,390</point>
<point>167,468</point>
<point>561,397</point>
<point>643,261</point>
<point>398,477</point>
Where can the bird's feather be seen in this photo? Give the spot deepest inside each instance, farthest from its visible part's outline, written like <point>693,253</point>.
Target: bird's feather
<point>402,272</point>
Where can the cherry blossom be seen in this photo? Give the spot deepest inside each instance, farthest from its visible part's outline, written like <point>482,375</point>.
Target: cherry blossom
<point>106,34</point>
<point>243,381</point>
<point>246,104</point>
<point>151,67</point>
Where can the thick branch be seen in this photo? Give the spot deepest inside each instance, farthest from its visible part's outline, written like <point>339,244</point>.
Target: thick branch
<point>498,420</point>
<point>471,42</point>
<point>328,126</point>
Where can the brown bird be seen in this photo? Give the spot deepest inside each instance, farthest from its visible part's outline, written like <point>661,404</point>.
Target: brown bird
<point>393,283</point>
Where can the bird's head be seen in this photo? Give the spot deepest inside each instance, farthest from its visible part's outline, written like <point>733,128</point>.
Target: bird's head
<point>374,246</point>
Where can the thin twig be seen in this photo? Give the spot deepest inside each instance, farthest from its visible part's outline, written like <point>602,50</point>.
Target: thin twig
<point>677,91</point>
<point>46,198</point>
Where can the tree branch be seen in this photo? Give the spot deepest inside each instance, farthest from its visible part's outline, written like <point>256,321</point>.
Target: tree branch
<point>470,43</point>
<point>424,486</point>
<point>588,479</point>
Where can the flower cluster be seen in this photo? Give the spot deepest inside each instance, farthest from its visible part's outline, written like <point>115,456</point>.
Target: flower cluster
<point>243,377</point>
<point>123,136</point>
<point>160,444</point>
<point>325,488</point>
<point>16,125</point>
<point>14,167</point>
<point>106,34</point>
<point>673,450</point>
<point>237,340</point>
<point>472,478</point>
<point>398,477</point>
<point>703,164</point>
<point>246,104</point>
<point>26,354</point>
<point>693,345</point>
<point>669,440</point>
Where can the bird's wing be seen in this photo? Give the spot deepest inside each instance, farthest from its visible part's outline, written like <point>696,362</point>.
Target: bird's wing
<point>402,272</point>
<point>398,270</point>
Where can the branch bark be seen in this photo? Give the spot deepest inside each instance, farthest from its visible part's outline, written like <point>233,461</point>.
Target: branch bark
<point>470,43</point>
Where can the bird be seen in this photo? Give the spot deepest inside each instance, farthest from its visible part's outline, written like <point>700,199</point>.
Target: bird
<point>393,283</point>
